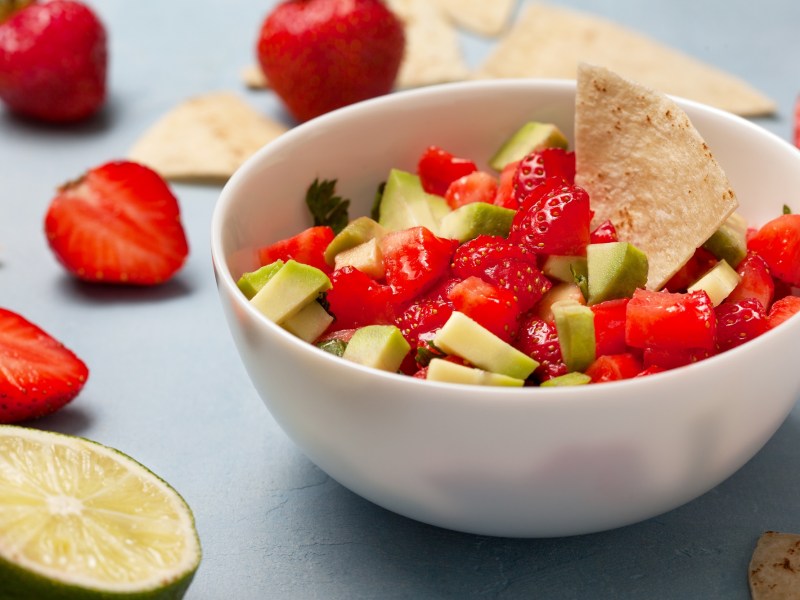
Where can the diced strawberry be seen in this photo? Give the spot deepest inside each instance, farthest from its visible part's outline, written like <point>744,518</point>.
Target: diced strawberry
<point>739,322</point>
<point>478,186</point>
<point>38,374</point>
<point>505,196</point>
<point>755,281</point>
<point>437,169</point>
<point>614,367</point>
<point>778,243</point>
<point>555,223</point>
<point>651,370</point>
<point>782,309</point>
<point>700,262</point>
<point>522,278</point>
<point>538,166</point>
<point>609,326</point>
<point>670,321</point>
<point>415,259</point>
<point>493,307</point>
<point>355,300</point>
<point>421,319</point>
<point>604,233</point>
<point>538,339</point>
<point>477,255</point>
<point>666,359</point>
<point>306,247</point>
<point>118,223</point>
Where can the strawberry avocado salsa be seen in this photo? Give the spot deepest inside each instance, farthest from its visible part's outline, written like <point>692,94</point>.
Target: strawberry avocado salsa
<point>503,278</point>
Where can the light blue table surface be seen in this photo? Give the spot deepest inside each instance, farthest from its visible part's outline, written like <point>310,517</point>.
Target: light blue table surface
<point>167,386</point>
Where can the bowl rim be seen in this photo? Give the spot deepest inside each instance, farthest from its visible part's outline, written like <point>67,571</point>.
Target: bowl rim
<point>224,277</point>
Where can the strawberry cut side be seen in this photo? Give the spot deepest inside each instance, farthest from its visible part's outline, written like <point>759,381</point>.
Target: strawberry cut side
<point>119,223</point>
<point>38,374</point>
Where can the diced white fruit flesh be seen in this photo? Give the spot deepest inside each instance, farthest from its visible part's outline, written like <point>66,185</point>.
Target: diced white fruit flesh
<point>446,371</point>
<point>464,337</point>
<point>561,267</point>
<point>718,283</point>
<point>366,257</point>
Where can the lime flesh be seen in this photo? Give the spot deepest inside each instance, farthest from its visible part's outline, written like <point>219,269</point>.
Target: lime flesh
<point>81,520</point>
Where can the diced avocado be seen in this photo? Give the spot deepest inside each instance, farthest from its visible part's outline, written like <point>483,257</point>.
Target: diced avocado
<point>463,337</point>
<point>560,291</point>
<point>354,234</point>
<point>574,378</point>
<point>378,346</point>
<point>405,204</point>
<point>476,218</point>
<point>366,257</point>
<point>253,281</point>
<point>309,322</point>
<point>718,282</point>
<point>563,268</point>
<point>729,242</point>
<point>575,328</point>
<point>444,370</point>
<point>289,290</point>
<point>616,269</point>
<point>531,136</point>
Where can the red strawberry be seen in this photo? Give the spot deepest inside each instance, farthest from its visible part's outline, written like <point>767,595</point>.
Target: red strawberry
<point>604,233</point>
<point>118,223</point>
<point>355,299</point>
<point>505,196</point>
<point>609,326</point>
<point>671,322</point>
<point>415,259</point>
<point>538,339</point>
<point>614,367</point>
<point>492,307</point>
<point>522,278</point>
<point>307,247</point>
<point>540,165</point>
<point>53,61</point>
<point>478,186</point>
<point>421,319</point>
<point>659,359</point>
<point>477,255</point>
<point>778,243</point>
<point>755,281</point>
<point>783,309</point>
<point>739,322</point>
<point>38,374</point>
<point>437,169</point>
<point>694,268</point>
<point>554,219</point>
<point>319,55</point>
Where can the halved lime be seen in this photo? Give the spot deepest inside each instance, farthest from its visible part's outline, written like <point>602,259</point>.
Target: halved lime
<point>82,520</point>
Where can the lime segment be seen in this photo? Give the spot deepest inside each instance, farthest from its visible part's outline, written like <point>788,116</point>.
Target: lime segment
<point>83,520</point>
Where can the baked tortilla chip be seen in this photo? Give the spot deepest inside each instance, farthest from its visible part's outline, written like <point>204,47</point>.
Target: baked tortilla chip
<point>206,138</point>
<point>550,42</point>
<point>774,572</point>
<point>487,18</point>
<point>647,170</point>
<point>432,54</point>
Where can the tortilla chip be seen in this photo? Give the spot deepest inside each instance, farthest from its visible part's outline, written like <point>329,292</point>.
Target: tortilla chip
<point>647,169</point>
<point>254,78</point>
<point>479,16</point>
<point>774,572</point>
<point>205,138</point>
<point>550,42</point>
<point>433,54</point>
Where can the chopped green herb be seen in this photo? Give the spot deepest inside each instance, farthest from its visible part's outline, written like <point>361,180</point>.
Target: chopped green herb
<point>786,209</point>
<point>375,213</point>
<point>426,352</point>
<point>326,207</point>
<point>335,347</point>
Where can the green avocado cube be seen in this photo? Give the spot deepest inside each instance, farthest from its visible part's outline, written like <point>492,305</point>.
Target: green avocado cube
<point>377,346</point>
<point>531,136</point>
<point>406,204</point>
<point>446,371</point>
<point>249,283</point>
<point>615,270</point>
<point>355,233</point>
<point>289,290</point>
<point>476,218</point>
<point>568,379</point>
<point>309,322</point>
<point>718,282</point>
<point>575,329</point>
<point>729,242</point>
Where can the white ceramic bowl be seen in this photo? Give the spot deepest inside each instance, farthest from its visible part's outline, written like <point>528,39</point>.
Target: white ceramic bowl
<point>507,462</point>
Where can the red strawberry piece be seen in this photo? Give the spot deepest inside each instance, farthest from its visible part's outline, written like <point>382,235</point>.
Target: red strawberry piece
<point>755,281</point>
<point>492,307</point>
<point>701,261</point>
<point>505,196</point>
<point>53,61</point>
<point>421,319</point>
<point>477,255</point>
<point>670,321</point>
<point>778,243</point>
<point>614,367</point>
<point>538,339</point>
<point>118,223</point>
<point>38,374</point>
<point>355,300</point>
<point>660,359</point>
<point>557,222</point>
<point>739,322</point>
<point>319,55</point>
<point>415,259</point>
<point>307,247</point>
<point>797,122</point>
<point>783,309</point>
<point>609,326</point>
<point>538,166</point>
<point>604,233</point>
<point>437,169</point>
<point>522,278</point>
<point>478,186</point>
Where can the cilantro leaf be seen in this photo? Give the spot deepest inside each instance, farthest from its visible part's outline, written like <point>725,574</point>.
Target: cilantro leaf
<point>786,209</point>
<point>325,206</point>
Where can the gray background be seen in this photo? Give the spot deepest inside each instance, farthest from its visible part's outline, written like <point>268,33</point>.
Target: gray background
<point>167,387</point>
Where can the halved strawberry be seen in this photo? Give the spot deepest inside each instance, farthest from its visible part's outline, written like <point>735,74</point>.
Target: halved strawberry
<point>538,166</point>
<point>489,305</point>
<point>778,243</point>
<point>477,255</point>
<point>478,186</point>
<point>118,223</point>
<point>415,259</point>
<point>539,339</point>
<point>306,247</point>
<point>783,309</point>
<point>522,278</point>
<point>755,281</point>
<point>739,322</point>
<point>437,169</point>
<point>421,319</point>
<point>38,374</point>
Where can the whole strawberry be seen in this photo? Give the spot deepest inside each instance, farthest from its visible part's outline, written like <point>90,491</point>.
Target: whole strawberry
<point>53,61</point>
<point>319,55</point>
